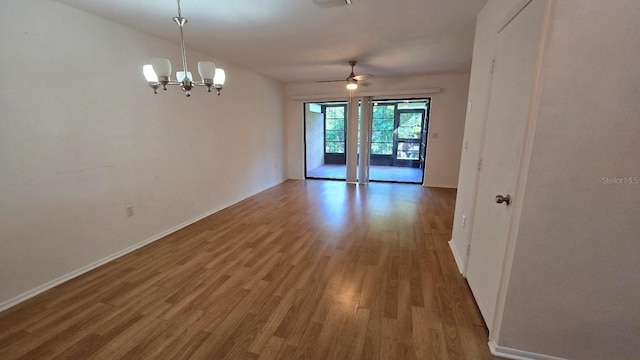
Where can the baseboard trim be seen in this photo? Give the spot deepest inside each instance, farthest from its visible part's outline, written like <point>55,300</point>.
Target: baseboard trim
<point>442,186</point>
<point>53,283</point>
<point>457,258</point>
<point>515,354</point>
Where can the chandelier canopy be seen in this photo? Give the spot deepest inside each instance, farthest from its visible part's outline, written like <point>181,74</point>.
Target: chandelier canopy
<point>158,73</point>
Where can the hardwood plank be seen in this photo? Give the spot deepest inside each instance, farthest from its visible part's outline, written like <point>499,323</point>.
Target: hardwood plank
<point>304,270</point>
<point>368,287</point>
<point>391,295</point>
<point>14,345</point>
<point>405,325</point>
<point>272,324</point>
<point>427,337</point>
<point>359,334</point>
<point>342,331</point>
<point>83,348</point>
<point>189,347</point>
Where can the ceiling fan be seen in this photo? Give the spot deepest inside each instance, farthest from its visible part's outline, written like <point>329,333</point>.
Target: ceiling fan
<point>353,80</point>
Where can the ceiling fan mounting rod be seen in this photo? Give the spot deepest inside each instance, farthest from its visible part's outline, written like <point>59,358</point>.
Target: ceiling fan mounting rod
<point>352,63</point>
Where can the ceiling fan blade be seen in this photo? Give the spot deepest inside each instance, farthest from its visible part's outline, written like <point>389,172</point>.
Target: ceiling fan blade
<point>359,79</point>
<point>363,77</point>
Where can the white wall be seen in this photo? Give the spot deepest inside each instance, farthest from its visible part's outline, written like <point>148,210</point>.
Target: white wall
<point>574,290</point>
<point>446,121</point>
<point>82,136</point>
<point>314,139</point>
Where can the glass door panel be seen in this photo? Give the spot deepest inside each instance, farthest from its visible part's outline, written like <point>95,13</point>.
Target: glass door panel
<point>408,139</point>
<point>398,140</point>
<point>325,141</point>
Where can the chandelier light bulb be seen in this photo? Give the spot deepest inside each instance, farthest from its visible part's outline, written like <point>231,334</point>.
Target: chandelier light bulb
<point>149,74</point>
<point>219,77</point>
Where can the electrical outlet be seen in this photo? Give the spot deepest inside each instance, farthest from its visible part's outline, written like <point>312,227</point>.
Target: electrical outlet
<point>464,220</point>
<point>129,210</point>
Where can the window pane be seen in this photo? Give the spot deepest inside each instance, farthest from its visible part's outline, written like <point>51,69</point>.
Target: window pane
<point>382,136</point>
<point>383,111</point>
<point>411,119</point>
<point>333,112</point>
<point>334,147</point>
<point>382,124</point>
<point>410,126</point>
<point>335,135</point>
<point>409,132</point>
<point>381,148</point>
<point>408,151</point>
<point>335,124</point>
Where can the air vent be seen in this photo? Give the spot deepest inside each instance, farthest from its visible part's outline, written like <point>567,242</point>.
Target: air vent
<point>322,4</point>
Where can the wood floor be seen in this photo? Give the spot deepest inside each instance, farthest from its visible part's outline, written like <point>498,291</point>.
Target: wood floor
<point>305,270</point>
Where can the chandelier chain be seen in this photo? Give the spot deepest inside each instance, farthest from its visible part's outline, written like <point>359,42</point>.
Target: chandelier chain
<point>179,9</point>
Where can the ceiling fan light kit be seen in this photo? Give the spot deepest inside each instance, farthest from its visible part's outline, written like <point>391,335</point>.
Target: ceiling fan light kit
<point>158,73</point>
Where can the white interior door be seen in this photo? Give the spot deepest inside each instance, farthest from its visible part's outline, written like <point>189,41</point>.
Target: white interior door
<point>510,100</point>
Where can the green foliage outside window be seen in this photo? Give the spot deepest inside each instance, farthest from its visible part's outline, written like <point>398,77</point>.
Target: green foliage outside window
<point>410,126</point>
<point>384,136</point>
<point>334,148</point>
<point>334,134</point>
<point>335,112</point>
<point>335,124</point>
<point>382,148</point>
<point>382,130</point>
<point>383,112</point>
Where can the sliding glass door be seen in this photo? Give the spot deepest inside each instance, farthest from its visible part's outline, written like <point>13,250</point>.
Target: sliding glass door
<point>399,130</point>
<point>325,140</point>
<point>395,138</point>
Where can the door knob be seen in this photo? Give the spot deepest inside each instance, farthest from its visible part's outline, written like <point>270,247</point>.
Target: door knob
<point>503,199</point>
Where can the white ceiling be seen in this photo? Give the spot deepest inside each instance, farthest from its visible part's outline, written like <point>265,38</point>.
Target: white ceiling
<point>293,40</point>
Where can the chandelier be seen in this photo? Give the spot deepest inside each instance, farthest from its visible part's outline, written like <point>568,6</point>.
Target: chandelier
<point>158,73</point>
